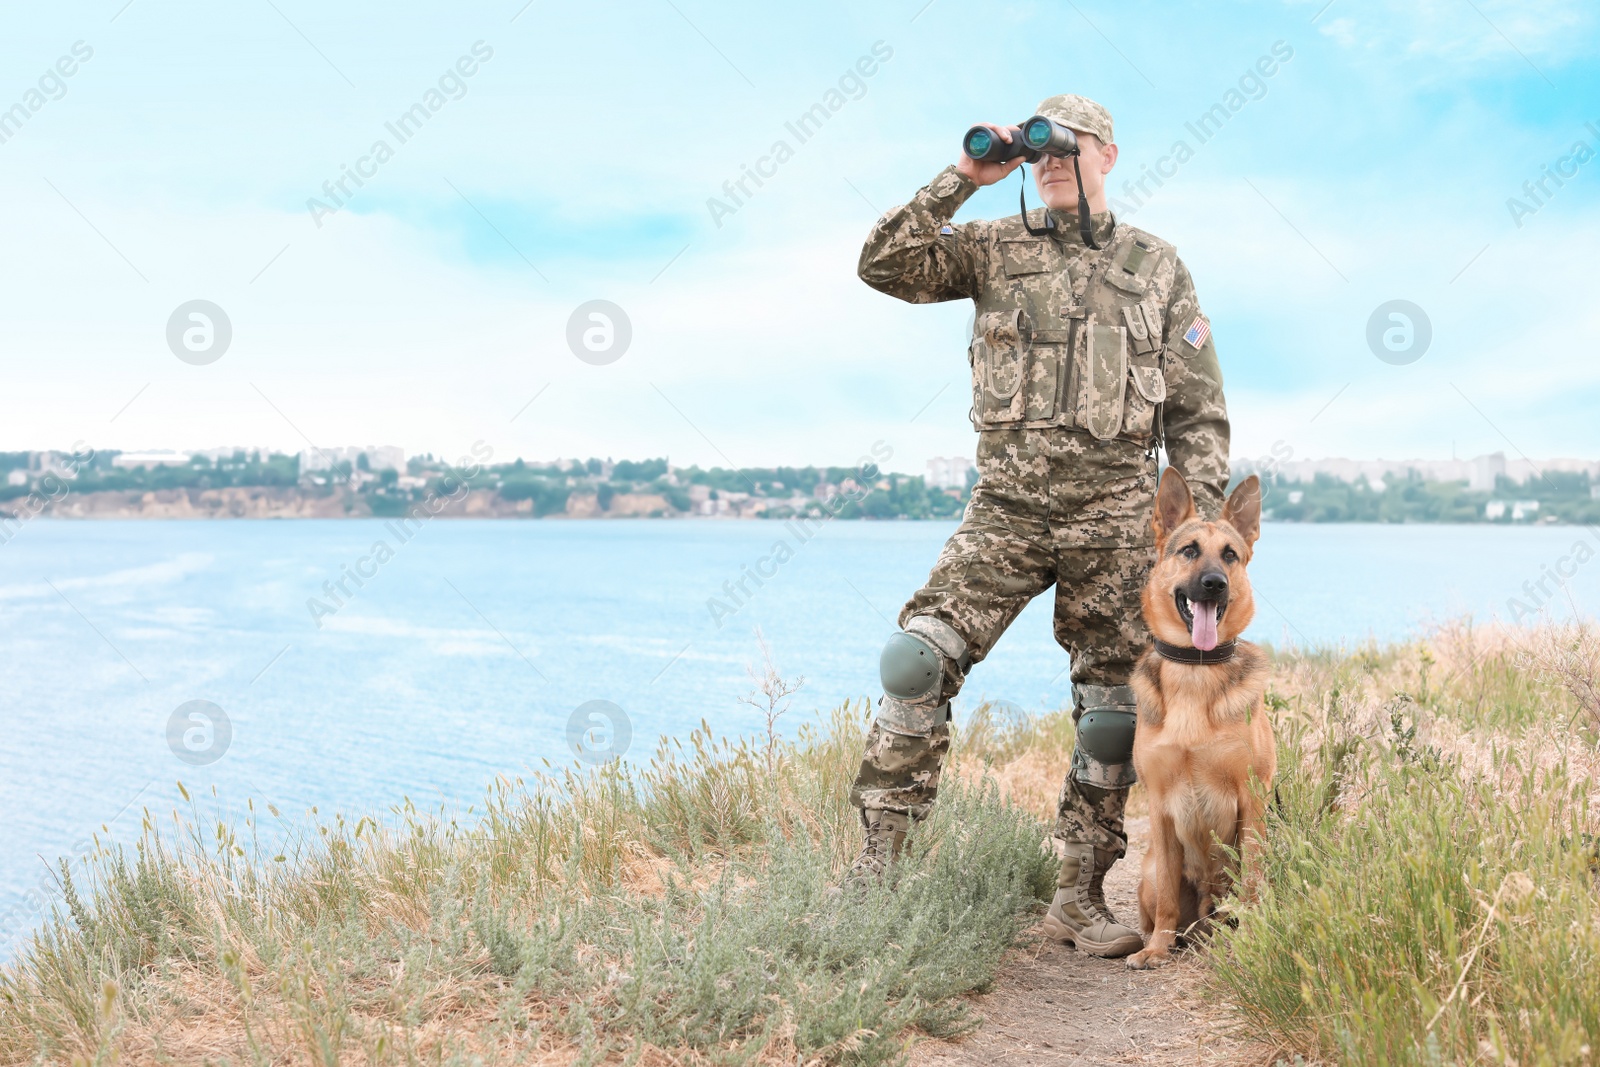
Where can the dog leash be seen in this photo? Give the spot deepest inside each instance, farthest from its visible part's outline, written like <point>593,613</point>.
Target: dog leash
<point>1184,654</point>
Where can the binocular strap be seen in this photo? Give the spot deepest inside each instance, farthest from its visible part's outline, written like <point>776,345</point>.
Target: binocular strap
<point>1085,223</point>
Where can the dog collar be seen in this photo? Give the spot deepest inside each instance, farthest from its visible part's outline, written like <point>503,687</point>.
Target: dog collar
<point>1184,654</point>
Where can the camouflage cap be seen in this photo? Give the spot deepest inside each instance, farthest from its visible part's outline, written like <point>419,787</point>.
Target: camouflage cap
<point>1078,113</point>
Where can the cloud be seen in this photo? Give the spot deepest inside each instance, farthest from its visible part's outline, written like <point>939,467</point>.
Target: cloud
<point>416,318</point>
<point>1494,31</point>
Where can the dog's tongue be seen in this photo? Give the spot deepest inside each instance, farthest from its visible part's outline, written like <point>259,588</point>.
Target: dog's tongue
<point>1204,630</point>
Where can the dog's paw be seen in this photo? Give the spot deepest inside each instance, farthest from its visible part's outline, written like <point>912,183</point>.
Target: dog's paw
<point>1147,960</point>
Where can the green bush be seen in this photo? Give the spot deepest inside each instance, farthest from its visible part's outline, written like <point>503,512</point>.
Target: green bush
<point>1423,907</point>
<point>534,925</point>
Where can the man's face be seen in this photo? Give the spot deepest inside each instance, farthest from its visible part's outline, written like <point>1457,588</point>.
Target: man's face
<point>1058,188</point>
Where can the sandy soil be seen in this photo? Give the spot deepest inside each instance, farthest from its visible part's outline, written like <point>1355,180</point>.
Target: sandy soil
<point>1053,1005</point>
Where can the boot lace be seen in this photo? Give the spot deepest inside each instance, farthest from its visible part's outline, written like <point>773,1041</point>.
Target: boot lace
<point>1097,895</point>
<point>876,852</point>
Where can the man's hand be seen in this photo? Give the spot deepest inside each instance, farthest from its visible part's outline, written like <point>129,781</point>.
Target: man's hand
<point>988,173</point>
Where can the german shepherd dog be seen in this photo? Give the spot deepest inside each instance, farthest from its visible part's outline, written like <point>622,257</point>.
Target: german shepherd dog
<point>1204,748</point>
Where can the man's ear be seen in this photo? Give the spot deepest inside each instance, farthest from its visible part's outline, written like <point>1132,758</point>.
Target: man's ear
<point>1174,505</point>
<point>1243,509</point>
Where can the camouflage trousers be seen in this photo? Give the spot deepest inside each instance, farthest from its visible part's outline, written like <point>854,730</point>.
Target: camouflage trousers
<point>901,773</point>
<point>1051,508</point>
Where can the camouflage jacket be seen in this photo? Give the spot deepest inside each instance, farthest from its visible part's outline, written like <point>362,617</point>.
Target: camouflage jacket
<point>1109,343</point>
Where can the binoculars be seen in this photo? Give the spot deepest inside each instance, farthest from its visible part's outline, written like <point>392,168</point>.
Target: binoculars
<point>1037,137</point>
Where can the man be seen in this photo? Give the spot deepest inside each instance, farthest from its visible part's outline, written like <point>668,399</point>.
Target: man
<point>1080,359</point>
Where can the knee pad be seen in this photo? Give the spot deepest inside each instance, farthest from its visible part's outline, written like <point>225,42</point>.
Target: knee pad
<point>1107,717</point>
<point>912,666</point>
<point>913,671</point>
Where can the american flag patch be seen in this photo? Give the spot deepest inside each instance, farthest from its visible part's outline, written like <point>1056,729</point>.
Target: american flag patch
<point>1198,331</point>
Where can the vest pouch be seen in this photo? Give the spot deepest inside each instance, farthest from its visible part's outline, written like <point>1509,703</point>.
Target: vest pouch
<point>999,356</point>
<point>1143,337</point>
<point>1104,381</point>
<point>1146,389</point>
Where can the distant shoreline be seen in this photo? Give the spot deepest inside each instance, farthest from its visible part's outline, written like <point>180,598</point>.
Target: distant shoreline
<point>381,482</point>
<point>251,502</point>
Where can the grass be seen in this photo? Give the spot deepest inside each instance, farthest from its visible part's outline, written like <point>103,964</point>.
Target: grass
<point>1430,897</point>
<point>1431,876</point>
<point>678,912</point>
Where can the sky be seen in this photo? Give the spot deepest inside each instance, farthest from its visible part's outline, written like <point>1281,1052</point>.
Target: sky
<point>578,153</point>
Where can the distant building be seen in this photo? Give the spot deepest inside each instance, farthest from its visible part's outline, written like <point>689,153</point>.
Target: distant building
<point>379,458</point>
<point>1520,509</point>
<point>700,502</point>
<point>1523,471</point>
<point>318,459</point>
<point>948,472</point>
<point>149,460</point>
<point>219,456</point>
<point>386,458</point>
<point>1486,470</point>
<point>1481,474</point>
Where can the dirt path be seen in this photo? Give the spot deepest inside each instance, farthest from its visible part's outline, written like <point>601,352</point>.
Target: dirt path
<point>1039,1011</point>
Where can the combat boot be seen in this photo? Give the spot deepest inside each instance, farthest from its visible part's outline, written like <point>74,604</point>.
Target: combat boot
<point>886,839</point>
<point>1078,915</point>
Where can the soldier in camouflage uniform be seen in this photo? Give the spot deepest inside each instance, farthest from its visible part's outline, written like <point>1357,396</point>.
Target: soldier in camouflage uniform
<point>1080,359</point>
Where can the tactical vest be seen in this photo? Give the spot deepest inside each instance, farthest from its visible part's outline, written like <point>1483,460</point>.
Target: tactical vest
<point>1054,344</point>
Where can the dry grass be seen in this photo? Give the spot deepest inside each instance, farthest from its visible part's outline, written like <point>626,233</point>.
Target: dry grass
<point>1431,897</point>
<point>1432,894</point>
<point>673,913</point>
<point>1025,758</point>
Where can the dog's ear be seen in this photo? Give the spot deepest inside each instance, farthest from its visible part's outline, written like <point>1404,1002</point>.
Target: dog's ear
<point>1174,505</point>
<point>1243,509</point>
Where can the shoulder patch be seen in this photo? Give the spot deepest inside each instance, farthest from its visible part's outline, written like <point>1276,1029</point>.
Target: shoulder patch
<point>947,230</point>
<point>1195,336</point>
